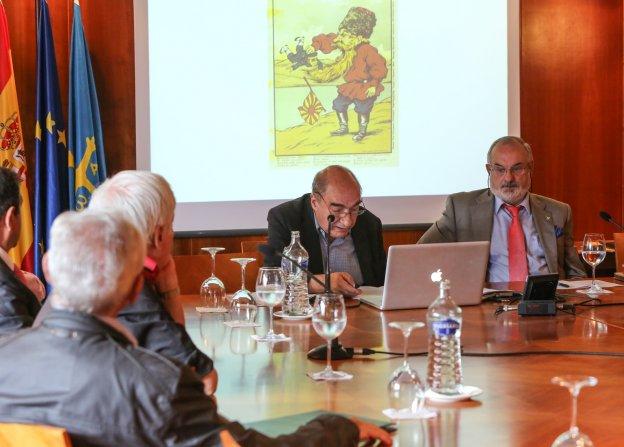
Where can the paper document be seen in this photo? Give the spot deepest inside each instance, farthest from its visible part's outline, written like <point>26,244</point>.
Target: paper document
<point>578,284</point>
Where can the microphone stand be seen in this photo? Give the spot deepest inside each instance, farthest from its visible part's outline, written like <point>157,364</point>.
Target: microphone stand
<point>338,352</point>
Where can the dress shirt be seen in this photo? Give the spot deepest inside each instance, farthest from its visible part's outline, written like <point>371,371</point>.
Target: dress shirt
<point>498,268</point>
<point>342,255</point>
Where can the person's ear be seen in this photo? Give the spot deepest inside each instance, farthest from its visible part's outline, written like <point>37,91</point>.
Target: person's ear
<point>314,202</point>
<point>46,269</point>
<point>159,233</point>
<point>8,217</point>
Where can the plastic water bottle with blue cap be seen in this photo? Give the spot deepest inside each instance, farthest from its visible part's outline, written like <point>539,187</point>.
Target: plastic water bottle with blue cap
<point>444,320</point>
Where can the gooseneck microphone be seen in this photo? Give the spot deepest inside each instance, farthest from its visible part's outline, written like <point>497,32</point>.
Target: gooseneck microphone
<point>330,221</point>
<point>320,352</point>
<point>607,217</point>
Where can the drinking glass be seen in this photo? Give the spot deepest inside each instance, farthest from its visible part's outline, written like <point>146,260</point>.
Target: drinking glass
<point>243,306</point>
<point>212,291</point>
<point>270,291</point>
<point>573,437</point>
<point>593,252</point>
<point>405,388</point>
<point>329,319</point>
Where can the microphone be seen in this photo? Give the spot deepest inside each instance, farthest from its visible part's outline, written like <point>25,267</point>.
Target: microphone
<point>330,221</point>
<point>607,217</point>
<point>320,352</point>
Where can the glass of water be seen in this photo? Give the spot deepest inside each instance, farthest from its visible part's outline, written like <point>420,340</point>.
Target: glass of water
<point>270,291</point>
<point>329,319</point>
<point>594,251</point>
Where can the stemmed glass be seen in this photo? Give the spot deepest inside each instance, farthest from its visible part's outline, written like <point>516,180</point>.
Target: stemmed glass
<point>573,437</point>
<point>243,306</point>
<point>593,252</point>
<point>270,291</point>
<point>212,291</point>
<point>329,318</point>
<point>405,388</point>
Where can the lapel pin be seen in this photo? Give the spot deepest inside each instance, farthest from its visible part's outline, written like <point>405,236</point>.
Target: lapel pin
<point>548,218</point>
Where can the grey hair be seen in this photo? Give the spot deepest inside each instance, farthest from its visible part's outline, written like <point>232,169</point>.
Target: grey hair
<point>93,260</point>
<point>143,197</point>
<point>510,140</point>
<point>321,179</point>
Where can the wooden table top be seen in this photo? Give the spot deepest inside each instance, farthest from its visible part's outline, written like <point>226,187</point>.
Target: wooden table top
<point>519,405</point>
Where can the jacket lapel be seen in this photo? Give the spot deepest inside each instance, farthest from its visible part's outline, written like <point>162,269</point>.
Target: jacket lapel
<point>310,238</point>
<point>482,214</point>
<point>363,252</point>
<point>543,221</point>
<point>7,274</point>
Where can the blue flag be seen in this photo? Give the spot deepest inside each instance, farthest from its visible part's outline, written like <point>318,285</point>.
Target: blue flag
<point>87,166</point>
<point>50,140</point>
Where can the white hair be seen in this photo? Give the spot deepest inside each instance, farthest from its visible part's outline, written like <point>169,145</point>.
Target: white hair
<point>93,260</point>
<point>143,197</point>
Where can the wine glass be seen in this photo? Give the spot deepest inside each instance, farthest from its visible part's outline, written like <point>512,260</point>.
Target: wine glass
<point>329,319</point>
<point>243,306</point>
<point>573,437</point>
<point>212,291</point>
<point>270,290</point>
<point>405,388</point>
<point>593,252</point>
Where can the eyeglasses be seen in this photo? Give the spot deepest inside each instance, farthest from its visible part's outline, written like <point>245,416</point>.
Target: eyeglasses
<point>514,170</point>
<point>341,211</point>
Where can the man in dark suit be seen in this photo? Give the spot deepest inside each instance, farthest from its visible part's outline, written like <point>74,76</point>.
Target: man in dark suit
<point>82,370</point>
<point>528,233</point>
<point>19,304</point>
<point>356,242</point>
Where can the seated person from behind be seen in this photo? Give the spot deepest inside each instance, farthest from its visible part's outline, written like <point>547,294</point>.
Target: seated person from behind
<point>528,233</point>
<point>357,253</point>
<point>99,385</point>
<point>20,291</point>
<point>156,318</point>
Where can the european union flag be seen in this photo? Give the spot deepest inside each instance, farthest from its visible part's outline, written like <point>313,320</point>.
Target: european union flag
<point>50,139</point>
<point>87,166</point>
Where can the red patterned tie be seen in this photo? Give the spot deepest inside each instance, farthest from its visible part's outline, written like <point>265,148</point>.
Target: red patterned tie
<point>516,247</point>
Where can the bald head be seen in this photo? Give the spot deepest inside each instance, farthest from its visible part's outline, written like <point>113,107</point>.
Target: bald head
<point>510,141</point>
<point>337,176</point>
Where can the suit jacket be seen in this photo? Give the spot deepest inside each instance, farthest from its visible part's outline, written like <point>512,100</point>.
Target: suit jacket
<point>106,392</point>
<point>297,215</point>
<point>155,329</point>
<point>469,217</point>
<point>18,305</point>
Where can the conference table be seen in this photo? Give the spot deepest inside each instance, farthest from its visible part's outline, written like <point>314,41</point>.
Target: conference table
<point>511,358</point>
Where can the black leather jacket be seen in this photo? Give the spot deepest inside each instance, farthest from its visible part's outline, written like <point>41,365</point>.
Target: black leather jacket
<point>18,305</point>
<point>77,372</point>
<point>155,329</point>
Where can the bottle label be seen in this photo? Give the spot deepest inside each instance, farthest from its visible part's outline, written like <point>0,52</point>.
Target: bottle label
<point>445,327</point>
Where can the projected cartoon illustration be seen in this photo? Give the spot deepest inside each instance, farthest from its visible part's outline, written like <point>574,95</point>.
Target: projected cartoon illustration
<point>332,65</point>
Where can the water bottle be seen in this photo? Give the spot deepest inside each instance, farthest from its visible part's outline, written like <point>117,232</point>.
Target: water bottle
<point>444,372</point>
<point>296,298</point>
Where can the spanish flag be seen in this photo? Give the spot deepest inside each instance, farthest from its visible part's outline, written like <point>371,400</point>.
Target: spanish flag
<point>12,155</point>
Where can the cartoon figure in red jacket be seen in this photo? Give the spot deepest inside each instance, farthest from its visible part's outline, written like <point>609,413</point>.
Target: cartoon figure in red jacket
<point>360,64</point>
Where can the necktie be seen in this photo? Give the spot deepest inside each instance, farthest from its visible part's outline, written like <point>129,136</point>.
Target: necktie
<point>516,247</point>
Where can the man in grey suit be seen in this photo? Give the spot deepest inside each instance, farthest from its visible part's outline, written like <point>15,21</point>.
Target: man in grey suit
<point>528,233</point>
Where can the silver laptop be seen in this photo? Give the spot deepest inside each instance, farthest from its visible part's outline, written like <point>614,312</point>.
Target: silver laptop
<point>408,282</point>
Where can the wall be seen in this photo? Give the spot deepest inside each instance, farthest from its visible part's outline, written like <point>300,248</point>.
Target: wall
<point>571,96</point>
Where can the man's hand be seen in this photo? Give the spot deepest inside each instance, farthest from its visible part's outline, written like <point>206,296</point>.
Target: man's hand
<point>370,432</point>
<point>211,380</point>
<point>341,282</point>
